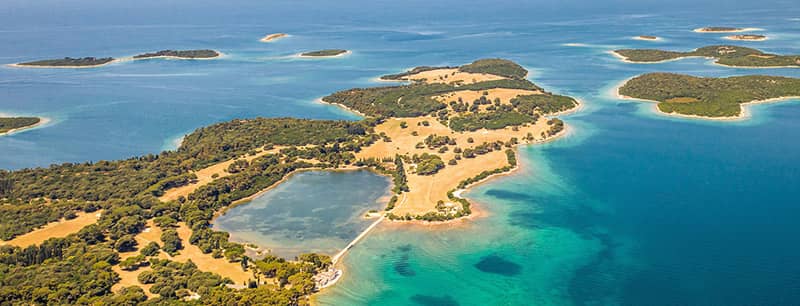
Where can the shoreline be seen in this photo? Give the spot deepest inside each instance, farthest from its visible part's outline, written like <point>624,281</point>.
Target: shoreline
<point>744,114</point>
<point>342,106</point>
<point>42,122</point>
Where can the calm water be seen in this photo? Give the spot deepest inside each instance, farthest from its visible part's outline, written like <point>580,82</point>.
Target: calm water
<point>316,211</point>
<point>631,209</point>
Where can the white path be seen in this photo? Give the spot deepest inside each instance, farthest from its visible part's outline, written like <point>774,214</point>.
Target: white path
<point>360,236</point>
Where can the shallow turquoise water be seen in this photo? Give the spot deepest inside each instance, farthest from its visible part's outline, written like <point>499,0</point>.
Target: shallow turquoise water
<point>314,211</point>
<point>631,209</point>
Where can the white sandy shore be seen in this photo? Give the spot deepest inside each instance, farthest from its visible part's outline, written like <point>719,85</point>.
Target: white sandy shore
<point>744,114</point>
<point>273,37</point>
<point>42,122</point>
<point>702,30</point>
<point>342,106</point>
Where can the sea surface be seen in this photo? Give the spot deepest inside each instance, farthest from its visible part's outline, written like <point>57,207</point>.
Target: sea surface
<point>631,208</point>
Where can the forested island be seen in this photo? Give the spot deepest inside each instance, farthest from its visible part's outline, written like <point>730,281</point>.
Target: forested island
<point>646,37</point>
<point>714,98</point>
<point>719,30</point>
<point>734,56</point>
<point>69,62</point>
<point>325,53</point>
<point>749,37</point>
<point>180,54</point>
<point>153,242</point>
<point>11,124</point>
<point>89,62</point>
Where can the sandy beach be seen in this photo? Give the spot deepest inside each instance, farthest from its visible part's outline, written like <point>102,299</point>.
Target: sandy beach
<point>273,37</point>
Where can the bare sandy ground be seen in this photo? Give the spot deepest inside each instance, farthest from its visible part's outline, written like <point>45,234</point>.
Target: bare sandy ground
<point>426,191</point>
<point>451,75</point>
<point>55,229</point>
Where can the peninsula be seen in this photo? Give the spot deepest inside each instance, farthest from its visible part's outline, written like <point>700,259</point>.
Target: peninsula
<point>9,125</point>
<point>709,98</point>
<point>733,56</point>
<point>153,240</point>
<point>747,37</point>
<point>325,53</point>
<point>273,37</point>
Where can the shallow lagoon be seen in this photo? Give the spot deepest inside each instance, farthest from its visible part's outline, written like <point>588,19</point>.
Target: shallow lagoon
<point>313,211</point>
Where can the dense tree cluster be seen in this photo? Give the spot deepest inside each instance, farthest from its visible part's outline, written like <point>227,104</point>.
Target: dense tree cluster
<point>725,55</point>
<point>10,123</point>
<point>180,53</point>
<point>496,66</point>
<point>427,164</point>
<point>68,61</point>
<point>709,97</point>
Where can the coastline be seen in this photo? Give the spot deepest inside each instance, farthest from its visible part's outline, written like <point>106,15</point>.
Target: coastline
<point>744,114</point>
<point>342,106</point>
<point>42,122</point>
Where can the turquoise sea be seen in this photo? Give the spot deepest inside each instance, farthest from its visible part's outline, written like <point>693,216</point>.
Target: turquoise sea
<point>631,208</point>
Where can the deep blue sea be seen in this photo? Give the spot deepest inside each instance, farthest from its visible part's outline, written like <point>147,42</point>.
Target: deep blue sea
<point>631,208</point>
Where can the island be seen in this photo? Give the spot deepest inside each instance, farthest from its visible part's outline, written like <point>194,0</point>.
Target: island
<point>325,53</point>
<point>68,62</point>
<point>720,30</point>
<point>646,37</point>
<point>444,132</point>
<point>733,56</point>
<point>9,125</point>
<point>747,37</point>
<point>180,54</point>
<point>705,97</point>
<point>273,37</point>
